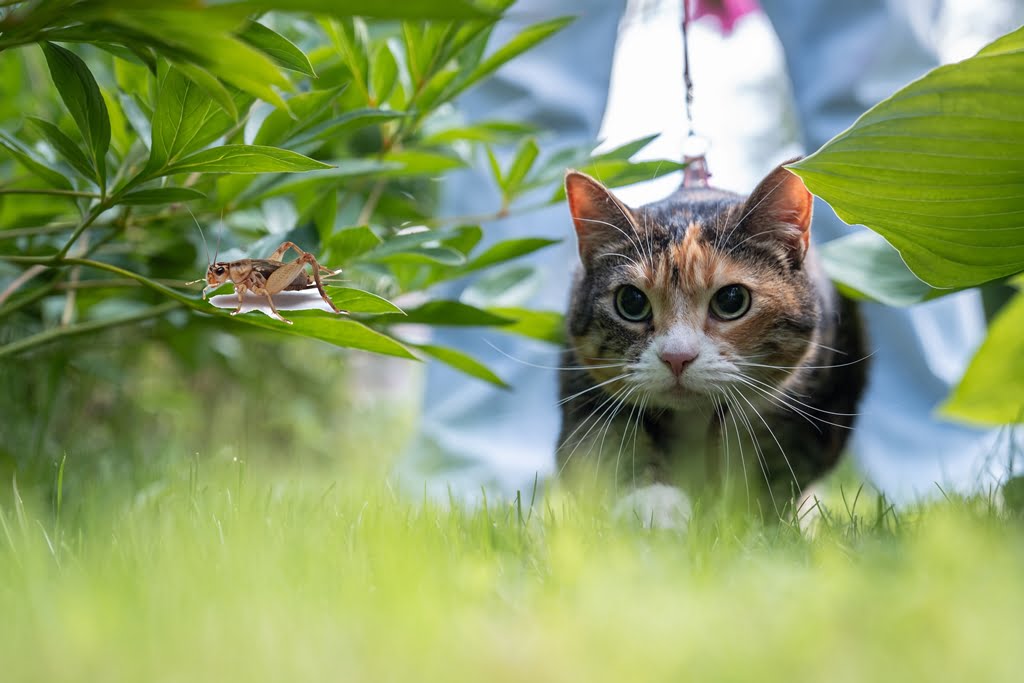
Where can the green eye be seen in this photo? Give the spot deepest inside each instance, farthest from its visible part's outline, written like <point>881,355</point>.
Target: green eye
<point>730,302</point>
<point>632,304</point>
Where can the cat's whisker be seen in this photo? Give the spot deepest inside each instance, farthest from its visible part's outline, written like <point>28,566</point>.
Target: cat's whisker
<point>739,445</point>
<point>806,367</point>
<point>762,461</point>
<point>782,451</point>
<point>559,368</point>
<point>785,406</point>
<point>633,238</point>
<point>608,423</point>
<point>782,394</point>
<point>596,386</point>
<point>638,411</point>
<point>614,402</point>
<point>622,256</point>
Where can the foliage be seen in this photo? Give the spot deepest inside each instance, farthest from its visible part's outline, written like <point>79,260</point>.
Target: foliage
<point>936,170</point>
<point>214,574</point>
<point>328,130</point>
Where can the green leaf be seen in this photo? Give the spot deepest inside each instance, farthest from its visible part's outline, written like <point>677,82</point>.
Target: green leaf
<point>992,390</point>
<point>383,73</point>
<point>65,146</point>
<point>508,286</point>
<point>626,151</point>
<point>442,255</point>
<point>279,48</point>
<point>82,97</point>
<point>454,313</point>
<point>358,301</point>
<point>521,165</point>
<point>864,266</point>
<point>349,121</point>
<point>548,326</point>
<point>392,9</point>
<point>491,132</point>
<point>937,169</point>
<point>343,170</point>
<point>333,329</point>
<point>213,87</point>
<point>33,162</point>
<point>161,195</point>
<point>462,362</point>
<point>521,43</point>
<point>506,251</point>
<point>348,244</point>
<point>308,108</point>
<point>414,162</point>
<point>619,173</point>
<point>245,159</point>
<point>186,118</point>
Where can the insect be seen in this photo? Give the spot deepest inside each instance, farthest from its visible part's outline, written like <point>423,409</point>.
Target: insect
<point>267,277</point>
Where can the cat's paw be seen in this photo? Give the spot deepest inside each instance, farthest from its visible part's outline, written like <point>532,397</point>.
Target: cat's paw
<point>657,506</point>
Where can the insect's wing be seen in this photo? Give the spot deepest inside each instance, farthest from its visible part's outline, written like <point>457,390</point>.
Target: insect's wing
<point>284,275</point>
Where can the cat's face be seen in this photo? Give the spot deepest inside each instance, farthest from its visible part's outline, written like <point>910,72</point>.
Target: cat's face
<point>682,299</point>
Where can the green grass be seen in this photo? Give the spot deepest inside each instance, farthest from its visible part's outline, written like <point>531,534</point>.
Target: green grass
<point>213,576</point>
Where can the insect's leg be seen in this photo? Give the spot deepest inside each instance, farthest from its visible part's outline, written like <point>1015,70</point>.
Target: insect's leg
<point>311,260</point>
<point>239,291</point>
<point>273,308</point>
<point>278,255</point>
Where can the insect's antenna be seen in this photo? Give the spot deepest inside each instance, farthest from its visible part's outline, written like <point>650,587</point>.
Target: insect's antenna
<point>206,246</point>
<point>220,233</point>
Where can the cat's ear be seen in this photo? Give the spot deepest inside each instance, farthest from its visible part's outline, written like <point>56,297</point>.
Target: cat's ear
<point>779,209</point>
<point>599,216</point>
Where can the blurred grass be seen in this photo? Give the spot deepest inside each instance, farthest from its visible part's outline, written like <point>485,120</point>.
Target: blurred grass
<point>220,572</point>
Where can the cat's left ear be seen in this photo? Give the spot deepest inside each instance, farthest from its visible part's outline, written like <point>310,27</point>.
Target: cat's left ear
<point>779,209</point>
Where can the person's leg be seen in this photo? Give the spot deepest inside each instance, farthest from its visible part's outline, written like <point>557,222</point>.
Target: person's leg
<point>843,56</point>
<point>472,434</point>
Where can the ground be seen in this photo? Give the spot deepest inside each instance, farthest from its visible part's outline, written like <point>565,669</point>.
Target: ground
<point>215,575</point>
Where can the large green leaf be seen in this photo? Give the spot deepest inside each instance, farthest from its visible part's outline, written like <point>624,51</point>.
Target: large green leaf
<point>864,266</point>
<point>333,329</point>
<point>279,48</point>
<point>82,97</point>
<point>938,169</point>
<point>161,195</point>
<point>245,159</point>
<point>359,301</point>
<point>462,362</point>
<point>506,251</point>
<point>186,118</point>
<point>992,390</point>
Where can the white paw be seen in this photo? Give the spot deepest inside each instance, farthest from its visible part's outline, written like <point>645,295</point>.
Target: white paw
<point>657,506</point>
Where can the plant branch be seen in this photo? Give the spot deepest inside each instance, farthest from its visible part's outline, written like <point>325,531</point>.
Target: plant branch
<point>61,226</point>
<point>54,192</point>
<point>17,282</point>
<point>141,279</point>
<point>57,333</point>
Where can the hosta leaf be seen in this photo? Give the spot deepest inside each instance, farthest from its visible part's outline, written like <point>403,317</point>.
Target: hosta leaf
<point>462,362</point>
<point>938,168</point>
<point>81,95</point>
<point>245,159</point>
<point>279,48</point>
<point>863,265</point>
<point>992,390</point>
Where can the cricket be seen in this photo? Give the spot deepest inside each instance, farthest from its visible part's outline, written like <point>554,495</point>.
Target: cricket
<point>269,276</point>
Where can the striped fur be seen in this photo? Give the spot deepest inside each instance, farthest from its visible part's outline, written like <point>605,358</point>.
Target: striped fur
<point>769,397</point>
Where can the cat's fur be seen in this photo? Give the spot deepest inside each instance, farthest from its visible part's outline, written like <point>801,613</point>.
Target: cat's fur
<point>685,398</point>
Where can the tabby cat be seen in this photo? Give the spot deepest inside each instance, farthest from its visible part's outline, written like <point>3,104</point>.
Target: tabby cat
<point>705,347</point>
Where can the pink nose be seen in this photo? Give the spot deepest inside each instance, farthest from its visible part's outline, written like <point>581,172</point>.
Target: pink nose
<point>677,360</point>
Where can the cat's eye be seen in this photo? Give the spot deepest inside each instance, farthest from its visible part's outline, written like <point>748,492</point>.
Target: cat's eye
<point>632,304</point>
<point>730,302</point>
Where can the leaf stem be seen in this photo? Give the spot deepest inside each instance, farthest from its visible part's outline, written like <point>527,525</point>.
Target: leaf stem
<point>54,192</point>
<point>141,279</point>
<point>57,333</point>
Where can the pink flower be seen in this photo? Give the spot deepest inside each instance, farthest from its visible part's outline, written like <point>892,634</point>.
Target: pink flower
<point>727,12</point>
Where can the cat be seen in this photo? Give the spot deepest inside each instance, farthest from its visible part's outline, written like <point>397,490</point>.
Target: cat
<point>705,344</point>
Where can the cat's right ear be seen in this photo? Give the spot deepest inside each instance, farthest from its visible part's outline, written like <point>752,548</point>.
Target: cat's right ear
<point>599,216</point>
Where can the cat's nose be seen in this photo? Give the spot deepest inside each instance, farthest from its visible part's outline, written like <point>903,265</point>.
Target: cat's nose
<point>677,360</point>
